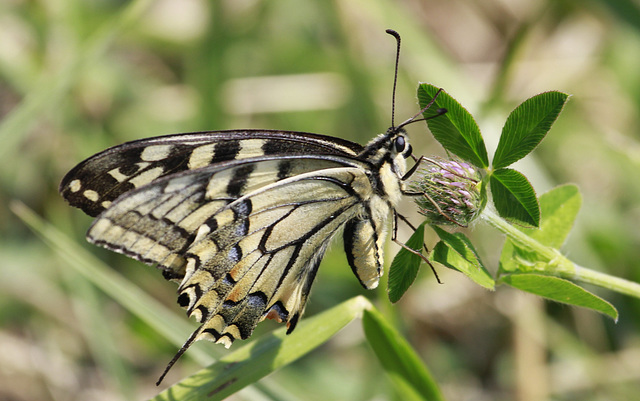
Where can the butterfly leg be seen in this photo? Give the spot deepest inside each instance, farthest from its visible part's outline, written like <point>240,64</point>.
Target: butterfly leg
<point>394,238</point>
<point>414,167</point>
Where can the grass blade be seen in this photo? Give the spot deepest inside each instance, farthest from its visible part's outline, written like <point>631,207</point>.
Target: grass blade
<point>265,355</point>
<point>410,377</point>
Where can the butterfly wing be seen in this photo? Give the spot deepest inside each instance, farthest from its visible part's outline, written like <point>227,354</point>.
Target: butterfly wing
<point>96,182</point>
<point>264,265</point>
<point>243,238</point>
<point>241,219</point>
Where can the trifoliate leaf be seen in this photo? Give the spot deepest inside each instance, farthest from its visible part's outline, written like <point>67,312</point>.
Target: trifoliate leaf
<point>456,130</point>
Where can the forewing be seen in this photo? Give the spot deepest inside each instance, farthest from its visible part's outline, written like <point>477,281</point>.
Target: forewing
<point>99,180</point>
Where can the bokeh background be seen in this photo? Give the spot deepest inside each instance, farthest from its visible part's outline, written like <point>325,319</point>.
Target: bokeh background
<point>79,76</point>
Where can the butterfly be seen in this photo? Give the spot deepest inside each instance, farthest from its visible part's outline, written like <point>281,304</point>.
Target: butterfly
<point>241,219</point>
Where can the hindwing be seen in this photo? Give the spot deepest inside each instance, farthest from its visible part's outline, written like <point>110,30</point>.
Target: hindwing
<point>244,237</point>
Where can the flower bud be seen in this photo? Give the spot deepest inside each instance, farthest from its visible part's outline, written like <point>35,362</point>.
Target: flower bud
<point>447,191</point>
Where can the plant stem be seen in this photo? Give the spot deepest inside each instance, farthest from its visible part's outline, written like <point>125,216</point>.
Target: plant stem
<point>557,264</point>
<point>617,284</point>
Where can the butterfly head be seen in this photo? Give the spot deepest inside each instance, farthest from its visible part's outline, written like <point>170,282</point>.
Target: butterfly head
<point>387,154</point>
<point>387,148</point>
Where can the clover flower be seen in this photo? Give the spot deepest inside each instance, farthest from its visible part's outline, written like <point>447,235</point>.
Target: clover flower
<point>448,191</point>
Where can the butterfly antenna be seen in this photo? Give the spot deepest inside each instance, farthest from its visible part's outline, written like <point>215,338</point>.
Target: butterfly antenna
<point>395,75</point>
<point>439,112</point>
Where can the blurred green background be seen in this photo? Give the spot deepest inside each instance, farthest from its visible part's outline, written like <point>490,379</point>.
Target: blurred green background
<point>79,76</point>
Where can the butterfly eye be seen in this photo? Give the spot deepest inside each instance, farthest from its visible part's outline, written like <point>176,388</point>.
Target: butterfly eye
<point>400,144</point>
<point>408,151</point>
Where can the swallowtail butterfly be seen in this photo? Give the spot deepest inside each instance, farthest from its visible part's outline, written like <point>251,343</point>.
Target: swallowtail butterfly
<point>241,219</point>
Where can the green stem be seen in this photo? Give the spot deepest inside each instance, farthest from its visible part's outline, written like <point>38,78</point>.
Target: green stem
<point>558,265</point>
<point>617,284</point>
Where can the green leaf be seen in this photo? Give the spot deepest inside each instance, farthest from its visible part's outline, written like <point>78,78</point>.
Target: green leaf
<point>559,208</point>
<point>514,197</point>
<point>265,355</point>
<point>456,130</point>
<point>527,126</point>
<point>405,266</point>
<point>560,290</point>
<point>410,377</point>
<point>456,252</point>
